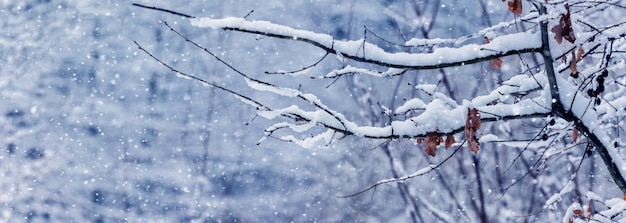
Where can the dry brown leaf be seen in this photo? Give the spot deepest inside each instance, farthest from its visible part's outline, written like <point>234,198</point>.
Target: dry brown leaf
<point>495,63</point>
<point>419,141</point>
<point>515,6</point>
<point>431,144</point>
<point>579,213</point>
<point>572,64</point>
<point>449,141</point>
<point>564,28</point>
<point>575,134</point>
<point>474,145</point>
<point>475,117</point>
<point>558,33</point>
<point>581,52</point>
<point>471,125</point>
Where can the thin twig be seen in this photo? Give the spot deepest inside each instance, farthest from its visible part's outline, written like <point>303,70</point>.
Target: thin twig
<point>402,179</point>
<point>164,10</point>
<point>301,69</point>
<point>257,104</point>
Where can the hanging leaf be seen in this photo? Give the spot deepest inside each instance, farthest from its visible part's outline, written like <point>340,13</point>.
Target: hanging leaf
<point>419,141</point>
<point>449,141</point>
<point>473,143</point>
<point>564,28</point>
<point>471,125</point>
<point>581,52</point>
<point>515,6</point>
<point>474,116</point>
<point>575,134</point>
<point>431,144</point>
<point>495,63</point>
<point>572,64</point>
<point>558,33</point>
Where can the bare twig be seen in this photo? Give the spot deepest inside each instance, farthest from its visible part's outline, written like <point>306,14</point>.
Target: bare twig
<point>164,10</point>
<point>405,178</point>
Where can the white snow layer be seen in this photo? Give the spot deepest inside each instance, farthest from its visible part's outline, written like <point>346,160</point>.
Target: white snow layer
<point>368,51</point>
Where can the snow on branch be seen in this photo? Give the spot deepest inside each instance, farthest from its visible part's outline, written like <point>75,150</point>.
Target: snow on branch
<point>480,34</point>
<point>543,93</point>
<point>361,51</point>
<point>439,115</point>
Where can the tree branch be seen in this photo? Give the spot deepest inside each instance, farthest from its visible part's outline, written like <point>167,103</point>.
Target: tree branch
<point>439,58</point>
<point>559,110</point>
<point>163,10</point>
<point>418,173</point>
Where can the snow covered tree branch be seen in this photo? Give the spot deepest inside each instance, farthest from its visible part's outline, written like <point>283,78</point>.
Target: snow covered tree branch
<point>361,51</point>
<point>580,81</point>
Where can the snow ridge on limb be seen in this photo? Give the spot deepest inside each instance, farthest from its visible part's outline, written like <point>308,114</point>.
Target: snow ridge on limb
<point>361,51</point>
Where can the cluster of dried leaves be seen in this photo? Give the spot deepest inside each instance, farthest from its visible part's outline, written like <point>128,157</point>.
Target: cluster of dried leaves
<point>433,139</point>
<point>562,31</point>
